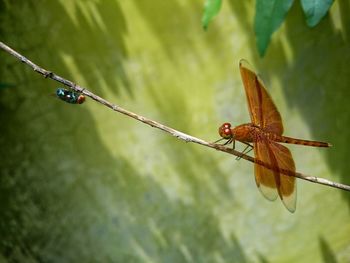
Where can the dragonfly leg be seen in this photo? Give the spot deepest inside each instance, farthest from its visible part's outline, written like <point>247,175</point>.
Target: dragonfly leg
<point>246,150</point>
<point>229,141</point>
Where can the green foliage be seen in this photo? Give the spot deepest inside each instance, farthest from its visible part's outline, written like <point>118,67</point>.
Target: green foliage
<point>211,9</point>
<point>83,184</point>
<point>270,14</point>
<point>268,17</point>
<point>4,85</point>
<point>315,10</point>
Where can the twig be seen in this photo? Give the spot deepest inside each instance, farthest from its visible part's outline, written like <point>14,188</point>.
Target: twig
<point>177,134</point>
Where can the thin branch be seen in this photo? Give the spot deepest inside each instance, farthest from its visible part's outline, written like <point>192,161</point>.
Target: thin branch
<point>173,132</point>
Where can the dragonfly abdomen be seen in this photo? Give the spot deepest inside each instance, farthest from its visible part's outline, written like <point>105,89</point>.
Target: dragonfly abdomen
<point>285,139</point>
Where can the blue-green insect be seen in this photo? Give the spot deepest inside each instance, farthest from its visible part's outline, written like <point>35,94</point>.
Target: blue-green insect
<point>70,96</point>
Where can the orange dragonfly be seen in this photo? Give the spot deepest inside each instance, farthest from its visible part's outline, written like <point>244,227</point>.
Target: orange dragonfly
<point>265,132</point>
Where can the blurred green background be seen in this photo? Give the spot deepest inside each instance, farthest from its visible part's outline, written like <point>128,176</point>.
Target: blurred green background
<point>85,184</point>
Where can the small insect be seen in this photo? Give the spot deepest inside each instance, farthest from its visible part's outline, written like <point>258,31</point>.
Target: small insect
<point>70,96</point>
<point>265,132</point>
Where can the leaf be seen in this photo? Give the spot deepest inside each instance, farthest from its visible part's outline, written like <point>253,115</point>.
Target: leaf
<point>211,9</point>
<point>268,17</point>
<point>315,10</point>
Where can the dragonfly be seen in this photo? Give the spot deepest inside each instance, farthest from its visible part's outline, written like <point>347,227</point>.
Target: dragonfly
<point>265,132</point>
<point>70,96</point>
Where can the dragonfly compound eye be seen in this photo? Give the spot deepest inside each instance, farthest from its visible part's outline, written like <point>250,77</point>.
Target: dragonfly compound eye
<point>227,132</point>
<point>226,125</point>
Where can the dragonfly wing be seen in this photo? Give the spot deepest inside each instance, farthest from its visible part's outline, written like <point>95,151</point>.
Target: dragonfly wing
<point>264,177</point>
<point>287,188</point>
<point>263,111</point>
<point>272,182</point>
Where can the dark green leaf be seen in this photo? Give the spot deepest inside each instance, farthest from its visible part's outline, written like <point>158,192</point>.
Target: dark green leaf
<point>211,8</point>
<point>269,16</point>
<point>315,10</point>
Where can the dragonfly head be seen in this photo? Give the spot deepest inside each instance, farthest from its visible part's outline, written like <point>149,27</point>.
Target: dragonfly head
<point>225,131</point>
